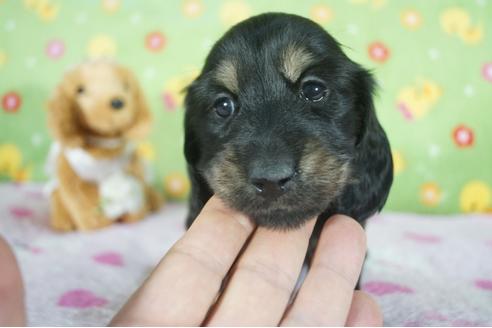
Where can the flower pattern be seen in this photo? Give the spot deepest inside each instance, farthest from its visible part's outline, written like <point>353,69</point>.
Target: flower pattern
<point>432,65</point>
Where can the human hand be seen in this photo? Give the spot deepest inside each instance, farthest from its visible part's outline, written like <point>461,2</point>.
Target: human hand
<point>185,287</point>
<point>11,289</point>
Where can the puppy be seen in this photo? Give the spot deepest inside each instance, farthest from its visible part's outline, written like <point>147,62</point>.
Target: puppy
<point>281,125</point>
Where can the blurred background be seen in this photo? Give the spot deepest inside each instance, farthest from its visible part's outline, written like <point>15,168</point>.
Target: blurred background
<point>432,60</point>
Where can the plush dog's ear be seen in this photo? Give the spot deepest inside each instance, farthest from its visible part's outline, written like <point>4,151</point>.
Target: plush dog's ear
<point>364,86</point>
<point>141,126</point>
<point>62,117</point>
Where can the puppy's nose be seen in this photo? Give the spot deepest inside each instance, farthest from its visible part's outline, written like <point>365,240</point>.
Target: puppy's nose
<point>117,103</point>
<point>272,181</point>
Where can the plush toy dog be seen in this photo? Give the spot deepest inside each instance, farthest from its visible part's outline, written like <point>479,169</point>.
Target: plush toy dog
<point>98,177</point>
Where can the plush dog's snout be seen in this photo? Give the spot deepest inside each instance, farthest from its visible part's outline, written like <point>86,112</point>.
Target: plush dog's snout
<point>117,103</point>
<point>272,180</point>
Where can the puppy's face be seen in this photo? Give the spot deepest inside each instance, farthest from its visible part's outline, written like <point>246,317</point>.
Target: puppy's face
<point>103,97</point>
<point>274,120</point>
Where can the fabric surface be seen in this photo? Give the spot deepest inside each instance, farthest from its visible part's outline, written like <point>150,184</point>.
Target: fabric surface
<point>424,271</point>
<point>432,60</point>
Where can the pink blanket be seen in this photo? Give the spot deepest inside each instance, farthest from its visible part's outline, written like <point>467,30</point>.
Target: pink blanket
<point>423,270</point>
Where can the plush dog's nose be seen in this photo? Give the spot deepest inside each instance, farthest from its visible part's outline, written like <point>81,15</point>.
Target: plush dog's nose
<point>272,181</point>
<point>117,103</point>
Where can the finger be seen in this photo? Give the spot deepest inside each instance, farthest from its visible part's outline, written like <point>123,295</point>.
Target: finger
<point>264,278</point>
<point>326,295</point>
<point>364,311</point>
<point>11,289</point>
<point>185,283</point>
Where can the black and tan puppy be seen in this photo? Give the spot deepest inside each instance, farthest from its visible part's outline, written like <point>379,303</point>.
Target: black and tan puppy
<point>281,125</point>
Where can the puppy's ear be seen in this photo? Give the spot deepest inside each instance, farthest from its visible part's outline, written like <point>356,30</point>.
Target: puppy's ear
<point>143,120</point>
<point>63,120</point>
<point>366,114</point>
<point>191,120</point>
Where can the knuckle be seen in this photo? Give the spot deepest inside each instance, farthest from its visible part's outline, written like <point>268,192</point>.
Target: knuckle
<point>272,274</point>
<point>198,257</point>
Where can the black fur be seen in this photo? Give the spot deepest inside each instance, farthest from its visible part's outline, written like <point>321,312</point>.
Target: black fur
<point>274,124</point>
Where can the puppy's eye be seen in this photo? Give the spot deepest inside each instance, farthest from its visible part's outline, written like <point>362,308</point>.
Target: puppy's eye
<point>313,91</point>
<point>224,107</point>
<point>80,89</point>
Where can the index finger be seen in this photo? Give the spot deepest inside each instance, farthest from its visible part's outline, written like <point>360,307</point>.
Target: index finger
<point>175,292</point>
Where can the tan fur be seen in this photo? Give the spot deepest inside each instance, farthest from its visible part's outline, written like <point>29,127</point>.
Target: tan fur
<point>226,74</point>
<point>317,164</point>
<point>76,120</point>
<point>225,175</point>
<point>294,61</point>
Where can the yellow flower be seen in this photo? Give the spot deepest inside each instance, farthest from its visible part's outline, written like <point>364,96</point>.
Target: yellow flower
<point>472,34</point>
<point>411,19</point>
<point>146,150</point>
<point>415,101</point>
<point>10,160</point>
<point>48,11</point>
<point>192,8</point>
<point>454,20</point>
<point>173,89</point>
<point>430,194</point>
<point>234,11</point>
<point>476,196</point>
<point>3,58</point>
<point>321,14</point>
<point>111,6</point>
<point>101,46</point>
<point>398,162</point>
<point>23,174</point>
<point>176,185</point>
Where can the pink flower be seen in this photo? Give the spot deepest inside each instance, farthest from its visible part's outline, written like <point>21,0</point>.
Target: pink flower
<point>11,102</point>
<point>463,136</point>
<point>55,49</point>
<point>378,52</point>
<point>155,41</point>
<point>487,71</point>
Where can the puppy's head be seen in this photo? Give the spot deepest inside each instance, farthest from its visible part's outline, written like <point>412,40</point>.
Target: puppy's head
<point>275,119</point>
<point>97,98</point>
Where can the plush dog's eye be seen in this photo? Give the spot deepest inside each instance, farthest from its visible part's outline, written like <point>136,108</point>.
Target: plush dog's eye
<point>80,89</point>
<point>224,107</point>
<point>313,90</point>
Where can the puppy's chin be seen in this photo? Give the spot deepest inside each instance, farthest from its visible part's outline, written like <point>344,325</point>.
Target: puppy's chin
<point>287,212</point>
<point>289,218</point>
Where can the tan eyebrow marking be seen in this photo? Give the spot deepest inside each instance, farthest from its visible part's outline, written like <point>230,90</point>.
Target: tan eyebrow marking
<point>295,60</point>
<point>226,74</point>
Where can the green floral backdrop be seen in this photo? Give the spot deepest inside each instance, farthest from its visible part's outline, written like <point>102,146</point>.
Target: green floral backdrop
<point>432,59</point>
